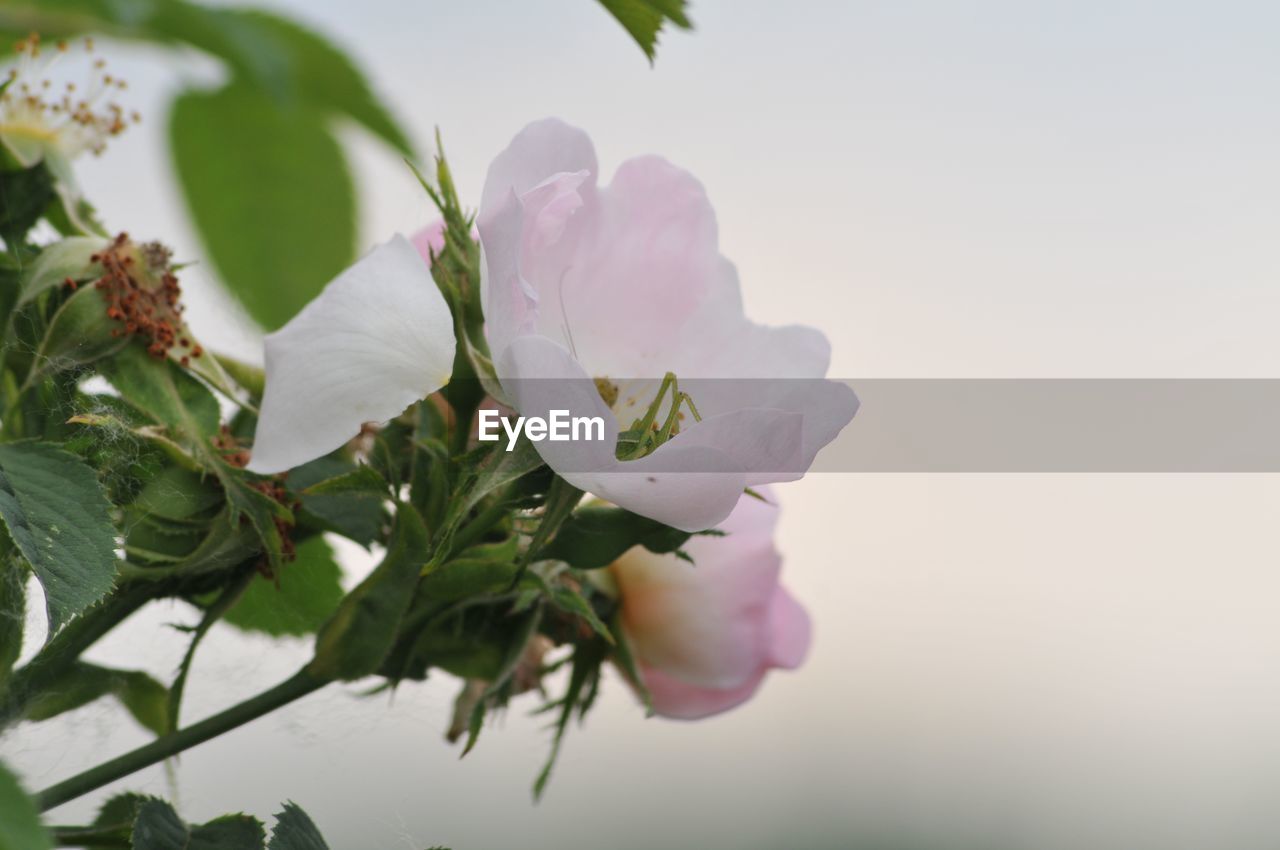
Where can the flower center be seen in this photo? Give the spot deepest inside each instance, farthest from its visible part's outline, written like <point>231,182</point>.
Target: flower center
<point>36,114</point>
<point>608,391</point>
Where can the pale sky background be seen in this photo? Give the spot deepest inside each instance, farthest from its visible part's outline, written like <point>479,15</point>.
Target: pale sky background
<point>989,189</point>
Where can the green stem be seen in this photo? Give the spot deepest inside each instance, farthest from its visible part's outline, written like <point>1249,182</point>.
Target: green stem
<point>91,836</point>
<point>472,532</point>
<point>461,429</point>
<point>293,688</point>
<point>562,498</point>
<point>226,600</point>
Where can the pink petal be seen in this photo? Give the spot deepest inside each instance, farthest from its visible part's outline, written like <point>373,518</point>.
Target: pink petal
<point>708,623</point>
<point>644,268</point>
<point>540,150</point>
<point>693,500</point>
<point>509,302</point>
<point>760,441</point>
<point>540,376</point>
<point>791,631</point>
<point>690,487</point>
<point>704,635</point>
<point>701,625</point>
<point>681,701</point>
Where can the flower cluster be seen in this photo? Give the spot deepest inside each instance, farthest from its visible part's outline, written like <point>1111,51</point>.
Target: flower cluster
<point>623,525</point>
<point>610,302</point>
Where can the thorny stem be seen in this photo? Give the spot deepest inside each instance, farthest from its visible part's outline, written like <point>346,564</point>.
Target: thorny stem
<point>291,689</point>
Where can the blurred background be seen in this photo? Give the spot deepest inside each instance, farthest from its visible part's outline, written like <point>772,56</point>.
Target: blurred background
<point>988,189</point>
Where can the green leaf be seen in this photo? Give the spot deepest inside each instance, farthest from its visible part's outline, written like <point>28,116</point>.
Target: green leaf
<point>515,652</point>
<point>119,441</point>
<point>68,258</point>
<point>229,832</point>
<point>24,195</point>
<point>567,599</point>
<point>361,632</point>
<point>161,391</point>
<point>158,827</point>
<point>270,194</point>
<point>361,481</point>
<point>465,654</point>
<point>562,497</point>
<point>79,333</point>
<point>280,57</point>
<point>596,536</point>
<point>13,606</point>
<point>311,69</point>
<point>59,518</point>
<point>121,809</point>
<point>353,514</point>
<point>626,661</point>
<point>294,830</point>
<point>142,696</point>
<point>644,19</point>
<point>464,577</point>
<point>303,597</point>
<point>193,550</point>
<point>20,827</point>
<point>261,510</point>
<point>500,468</point>
<point>178,494</point>
<point>587,658</point>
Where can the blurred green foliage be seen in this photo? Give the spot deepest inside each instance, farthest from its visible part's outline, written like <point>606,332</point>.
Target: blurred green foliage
<point>264,176</point>
<point>644,19</point>
<point>20,827</point>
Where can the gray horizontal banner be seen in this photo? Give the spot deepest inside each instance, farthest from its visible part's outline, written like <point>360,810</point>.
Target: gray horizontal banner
<point>921,425</point>
<point>1062,425</point>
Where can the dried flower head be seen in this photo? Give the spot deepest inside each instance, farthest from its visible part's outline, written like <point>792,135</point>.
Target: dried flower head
<point>143,296</point>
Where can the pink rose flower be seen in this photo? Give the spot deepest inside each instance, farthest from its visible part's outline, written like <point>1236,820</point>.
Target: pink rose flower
<point>593,293</point>
<point>705,634</point>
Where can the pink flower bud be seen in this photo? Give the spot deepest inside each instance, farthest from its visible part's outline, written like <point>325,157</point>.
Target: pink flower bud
<point>705,634</point>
